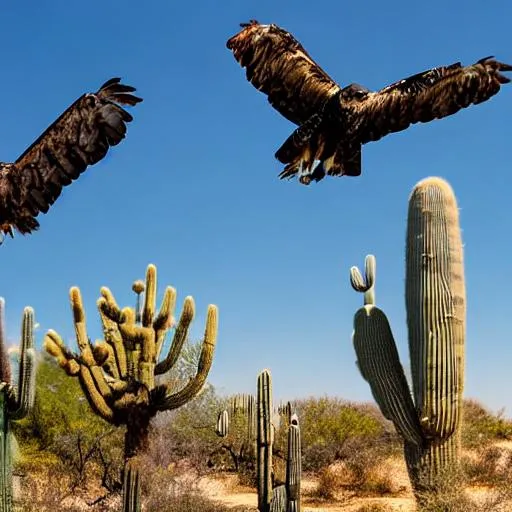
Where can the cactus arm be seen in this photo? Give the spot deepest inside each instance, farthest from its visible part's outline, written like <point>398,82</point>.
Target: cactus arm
<point>104,355</point>
<point>54,345</point>
<point>86,350</point>
<point>113,337</point>
<point>165,318</point>
<point>378,360</point>
<point>194,386</point>
<point>435,299</point>
<point>148,310</point>
<point>380,366</point>
<point>180,336</point>
<point>82,339</point>
<point>365,284</point>
<point>94,396</point>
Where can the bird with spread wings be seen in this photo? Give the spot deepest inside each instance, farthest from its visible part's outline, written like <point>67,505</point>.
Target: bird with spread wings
<point>80,137</point>
<point>334,122</point>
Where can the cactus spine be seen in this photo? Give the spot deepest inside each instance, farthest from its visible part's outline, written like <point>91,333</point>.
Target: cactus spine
<point>428,421</point>
<point>118,374</point>
<point>15,403</point>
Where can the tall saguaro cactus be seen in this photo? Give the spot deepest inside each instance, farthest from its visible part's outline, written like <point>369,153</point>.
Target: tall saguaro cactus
<point>428,420</point>
<point>265,441</point>
<point>15,402</point>
<point>118,374</point>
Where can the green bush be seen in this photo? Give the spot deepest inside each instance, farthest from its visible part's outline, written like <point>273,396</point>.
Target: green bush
<point>332,429</point>
<point>479,426</point>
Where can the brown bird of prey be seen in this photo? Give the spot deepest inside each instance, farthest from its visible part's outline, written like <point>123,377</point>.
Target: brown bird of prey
<point>334,122</point>
<point>80,137</point>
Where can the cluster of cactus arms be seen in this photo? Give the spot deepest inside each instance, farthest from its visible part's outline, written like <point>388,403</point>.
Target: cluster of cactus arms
<point>118,374</point>
<point>15,402</point>
<point>429,420</point>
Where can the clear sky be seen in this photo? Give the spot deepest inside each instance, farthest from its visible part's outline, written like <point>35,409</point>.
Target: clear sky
<point>194,186</point>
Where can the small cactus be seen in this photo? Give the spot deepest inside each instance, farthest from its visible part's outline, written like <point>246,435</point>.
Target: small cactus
<point>222,424</point>
<point>265,441</point>
<point>15,402</point>
<point>293,465</point>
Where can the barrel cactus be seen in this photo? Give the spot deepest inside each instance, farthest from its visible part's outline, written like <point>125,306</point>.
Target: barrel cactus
<point>118,375</point>
<point>429,419</point>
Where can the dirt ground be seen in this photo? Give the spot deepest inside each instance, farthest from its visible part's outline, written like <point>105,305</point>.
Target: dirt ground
<point>224,488</point>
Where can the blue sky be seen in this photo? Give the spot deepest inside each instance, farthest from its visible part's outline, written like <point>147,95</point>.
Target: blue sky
<point>194,186</point>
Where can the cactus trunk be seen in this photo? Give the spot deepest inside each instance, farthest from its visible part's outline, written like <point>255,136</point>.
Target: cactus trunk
<point>135,441</point>
<point>265,441</point>
<point>426,464</point>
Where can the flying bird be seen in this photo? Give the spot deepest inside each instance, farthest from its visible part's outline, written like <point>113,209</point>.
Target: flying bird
<point>334,122</point>
<point>80,137</point>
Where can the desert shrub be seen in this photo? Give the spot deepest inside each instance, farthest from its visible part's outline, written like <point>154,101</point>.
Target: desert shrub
<point>331,427</point>
<point>489,465</point>
<point>360,472</point>
<point>449,493</point>
<point>480,426</point>
<point>62,430</point>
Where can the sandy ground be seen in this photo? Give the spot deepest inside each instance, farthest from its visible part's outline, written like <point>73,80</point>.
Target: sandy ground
<point>224,489</point>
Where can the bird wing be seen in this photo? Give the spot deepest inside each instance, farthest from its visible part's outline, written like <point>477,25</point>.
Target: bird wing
<point>80,137</point>
<point>280,67</point>
<point>433,94</point>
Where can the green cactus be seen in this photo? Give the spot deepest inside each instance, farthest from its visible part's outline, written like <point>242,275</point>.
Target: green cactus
<point>15,402</point>
<point>282,498</point>
<point>429,420</point>
<point>265,441</point>
<point>222,424</point>
<point>246,404</point>
<point>118,374</point>
<point>293,464</point>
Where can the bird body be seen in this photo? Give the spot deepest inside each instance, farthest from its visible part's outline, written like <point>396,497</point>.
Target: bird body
<point>80,137</point>
<point>334,122</point>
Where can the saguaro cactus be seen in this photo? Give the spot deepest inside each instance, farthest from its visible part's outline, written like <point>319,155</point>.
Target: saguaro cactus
<point>435,298</point>
<point>283,498</point>
<point>15,402</point>
<point>118,374</point>
<point>293,466</point>
<point>265,440</point>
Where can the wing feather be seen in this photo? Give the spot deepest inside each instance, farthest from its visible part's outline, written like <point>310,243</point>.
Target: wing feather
<point>278,65</point>
<point>430,95</point>
<point>80,137</point>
